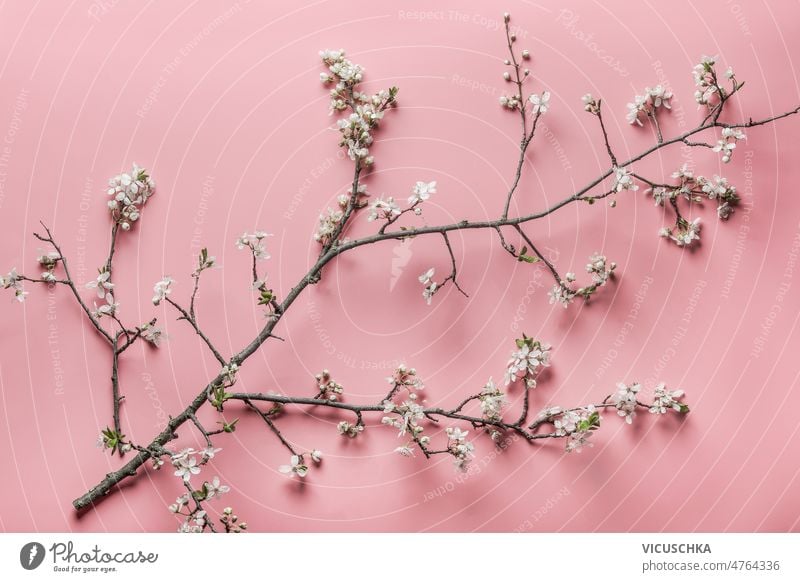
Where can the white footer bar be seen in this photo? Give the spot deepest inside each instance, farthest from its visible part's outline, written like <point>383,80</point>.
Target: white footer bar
<point>401,557</point>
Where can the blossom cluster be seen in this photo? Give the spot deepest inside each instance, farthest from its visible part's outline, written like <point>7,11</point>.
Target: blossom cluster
<point>254,242</point>
<point>388,209</point>
<point>684,233</point>
<point>230,521</point>
<point>492,401</point>
<point>102,284</point>
<point>152,334</point>
<point>648,104</point>
<point>726,145</point>
<point>665,399</point>
<point>405,417</point>
<point>331,219</point>
<point>623,180</point>
<point>48,261</point>
<point>515,101</point>
<point>349,429</point>
<point>540,103</point>
<point>530,357</point>
<point>580,424</point>
<point>430,287</point>
<point>624,400</point>
<point>129,192</point>
<point>459,447</point>
<point>162,289</point>
<point>328,224</point>
<point>601,271</point>
<point>366,110</point>
<point>576,425</point>
<point>113,440</point>
<point>385,209</point>
<point>694,189</point>
<point>405,378</point>
<point>297,464</point>
<point>108,308</point>
<point>326,387</point>
<point>14,281</point>
<point>707,89</point>
<point>103,287</point>
<point>187,463</point>
<point>421,192</point>
<point>590,104</point>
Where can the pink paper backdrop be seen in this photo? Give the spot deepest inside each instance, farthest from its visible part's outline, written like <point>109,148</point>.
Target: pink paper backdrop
<point>222,101</point>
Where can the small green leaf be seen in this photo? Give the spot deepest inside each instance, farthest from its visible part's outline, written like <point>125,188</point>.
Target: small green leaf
<point>684,409</point>
<point>229,426</point>
<point>266,297</point>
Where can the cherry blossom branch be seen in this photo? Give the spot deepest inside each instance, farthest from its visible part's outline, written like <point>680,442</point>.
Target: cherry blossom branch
<point>400,407</point>
<point>540,256</point>
<point>332,248</point>
<point>192,320</point>
<point>113,245</point>
<point>265,417</point>
<point>69,282</point>
<point>454,271</point>
<point>599,114</point>
<point>115,346</point>
<point>518,101</point>
<point>434,411</point>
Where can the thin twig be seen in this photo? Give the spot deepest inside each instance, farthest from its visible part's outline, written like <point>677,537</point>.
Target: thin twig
<point>271,425</point>
<point>453,272</point>
<point>611,155</point>
<point>193,322</point>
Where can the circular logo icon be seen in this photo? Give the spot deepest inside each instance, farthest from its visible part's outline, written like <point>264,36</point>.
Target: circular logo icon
<point>31,555</point>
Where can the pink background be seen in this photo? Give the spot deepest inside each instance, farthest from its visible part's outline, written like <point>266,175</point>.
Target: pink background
<point>222,101</point>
